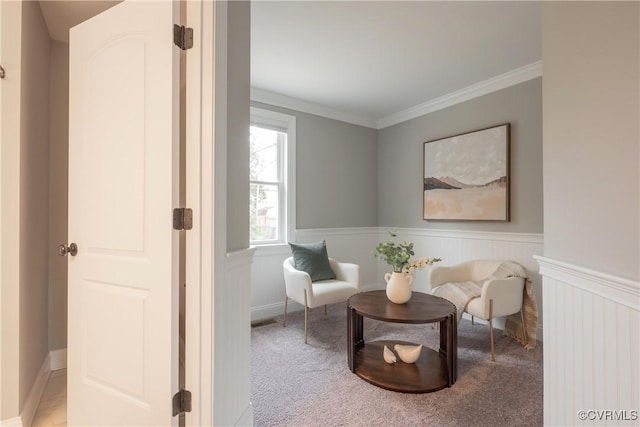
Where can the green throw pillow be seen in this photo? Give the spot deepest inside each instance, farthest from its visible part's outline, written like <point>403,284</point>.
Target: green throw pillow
<point>312,258</point>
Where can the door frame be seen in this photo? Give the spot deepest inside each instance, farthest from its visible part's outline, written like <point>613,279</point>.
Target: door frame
<point>205,142</point>
<point>11,54</point>
<point>206,154</point>
<point>209,22</point>
<point>197,352</point>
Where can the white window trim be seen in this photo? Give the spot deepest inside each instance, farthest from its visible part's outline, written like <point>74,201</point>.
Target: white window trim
<point>287,124</point>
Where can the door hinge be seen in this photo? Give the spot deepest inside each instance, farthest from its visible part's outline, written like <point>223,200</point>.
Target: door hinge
<point>181,402</point>
<point>182,219</point>
<point>182,36</point>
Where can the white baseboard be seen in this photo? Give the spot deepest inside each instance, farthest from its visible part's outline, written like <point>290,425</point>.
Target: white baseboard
<point>246,419</point>
<point>277,309</point>
<point>33,399</point>
<point>55,360</point>
<point>12,422</point>
<point>272,310</point>
<point>58,359</point>
<point>498,323</point>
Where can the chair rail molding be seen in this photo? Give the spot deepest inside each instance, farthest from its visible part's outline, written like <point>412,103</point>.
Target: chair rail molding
<point>536,238</point>
<point>617,289</point>
<point>239,259</point>
<point>311,233</point>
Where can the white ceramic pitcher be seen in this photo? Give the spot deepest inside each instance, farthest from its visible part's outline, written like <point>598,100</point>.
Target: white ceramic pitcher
<point>398,287</point>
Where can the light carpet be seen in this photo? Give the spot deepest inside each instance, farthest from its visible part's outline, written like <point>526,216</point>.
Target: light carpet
<point>294,384</point>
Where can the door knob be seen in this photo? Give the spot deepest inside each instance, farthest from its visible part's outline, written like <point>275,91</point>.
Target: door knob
<point>72,249</point>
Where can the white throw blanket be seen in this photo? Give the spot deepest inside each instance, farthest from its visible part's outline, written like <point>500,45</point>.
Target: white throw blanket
<point>460,293</point>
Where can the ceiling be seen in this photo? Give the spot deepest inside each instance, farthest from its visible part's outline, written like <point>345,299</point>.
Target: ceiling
<point>62,15</point>
<point>370,61</point>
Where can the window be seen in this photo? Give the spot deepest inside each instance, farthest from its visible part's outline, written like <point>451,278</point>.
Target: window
<point>271,168</point>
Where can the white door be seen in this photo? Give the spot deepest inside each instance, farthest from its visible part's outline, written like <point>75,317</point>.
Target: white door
<point>123,185</point>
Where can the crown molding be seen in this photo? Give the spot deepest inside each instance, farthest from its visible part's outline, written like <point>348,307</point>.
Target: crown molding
<point>275,99</point>
<point>511,78</point>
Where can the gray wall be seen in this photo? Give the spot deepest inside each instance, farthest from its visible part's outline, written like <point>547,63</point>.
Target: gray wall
<point>34,196</point>
<point>400,159</point>
<point>591,112</point>
<point>238,74</point>
<point>336,174</point>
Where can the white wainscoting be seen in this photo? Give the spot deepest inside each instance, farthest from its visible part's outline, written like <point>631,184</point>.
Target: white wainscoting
<point>357,245</point>
<point>454,247</point>
<point>232,385</point>
<point>354,245</point>
<point>592,346</point>
<point>267,282</point>
<point>345,244</point>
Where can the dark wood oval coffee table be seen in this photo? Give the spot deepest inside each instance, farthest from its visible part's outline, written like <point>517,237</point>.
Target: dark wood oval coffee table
<point>433,371</point>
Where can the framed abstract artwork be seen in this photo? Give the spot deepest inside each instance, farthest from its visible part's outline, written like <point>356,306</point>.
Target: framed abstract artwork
<point>466,176</point>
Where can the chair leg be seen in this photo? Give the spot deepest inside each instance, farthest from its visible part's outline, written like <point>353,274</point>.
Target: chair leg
<point>472,320</point>
<point>493,352</point>
<point>305,316</point>
<point>286,299</point>
<point>325,309</point>
<point>524,329</point>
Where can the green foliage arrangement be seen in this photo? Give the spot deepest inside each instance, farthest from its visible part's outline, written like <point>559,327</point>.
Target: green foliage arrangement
<point>398,255</point>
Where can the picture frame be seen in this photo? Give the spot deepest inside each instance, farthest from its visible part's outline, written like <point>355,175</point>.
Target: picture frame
<point>466,177</point>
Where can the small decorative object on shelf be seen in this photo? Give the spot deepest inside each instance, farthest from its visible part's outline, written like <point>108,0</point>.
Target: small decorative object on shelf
<point>408,353</point>
<point>398,256</point>
<point>388,355</point>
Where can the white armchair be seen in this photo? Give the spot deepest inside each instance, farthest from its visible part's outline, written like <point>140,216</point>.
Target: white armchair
<point>301,289</point>
<point>499,297</point>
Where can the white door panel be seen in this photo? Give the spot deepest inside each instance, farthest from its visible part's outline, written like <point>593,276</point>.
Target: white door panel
<point>123,172</point>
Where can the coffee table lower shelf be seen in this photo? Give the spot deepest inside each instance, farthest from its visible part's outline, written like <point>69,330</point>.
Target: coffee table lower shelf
<point>429,373</point>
